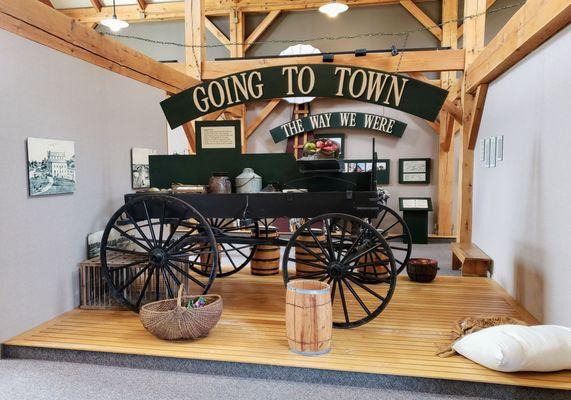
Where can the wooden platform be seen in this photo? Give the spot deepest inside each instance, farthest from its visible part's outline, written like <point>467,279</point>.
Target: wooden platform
<point>401,341</point>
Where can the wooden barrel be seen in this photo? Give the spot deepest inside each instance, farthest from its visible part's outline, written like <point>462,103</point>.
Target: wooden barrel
<point>380,267</point>
<point>309,317</point>
<point>301,254</point>
<point>266,260</point>
<point>207,257</point>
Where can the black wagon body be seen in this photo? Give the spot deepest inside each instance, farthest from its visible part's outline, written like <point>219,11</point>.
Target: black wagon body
<point>342,235</point>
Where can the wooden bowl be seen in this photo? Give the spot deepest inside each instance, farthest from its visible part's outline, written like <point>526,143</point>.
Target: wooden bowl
<point>422,269</point>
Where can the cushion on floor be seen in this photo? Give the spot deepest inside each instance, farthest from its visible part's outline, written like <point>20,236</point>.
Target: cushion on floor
<point>511,348</point>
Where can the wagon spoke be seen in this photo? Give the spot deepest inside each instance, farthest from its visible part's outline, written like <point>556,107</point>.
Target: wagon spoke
<point>311,252</point>
<point>305,262</point>
<point>131,264</point>
<point>310,275</point>
<point>187,261</point>
<point>353,246</point>
<point>150,224</point>
<point>381,219</point>
<point>343,231</point>
<point>333,290</point>
<point>126,251</point>
<point>327,224</point>
<point>172,232</point>
<point>318,245</point>
<point>167,283</point>
<point>343,302</point>
<point>131,238</point>
<point>356,296</point>
<point>162,220</point>
<point>138,228</point>
<point>133,278</point>
<point>177,281</point>
<point>144,289</point>
<point>356,282</point>
<point>362,253</point>
<point>187,275</point>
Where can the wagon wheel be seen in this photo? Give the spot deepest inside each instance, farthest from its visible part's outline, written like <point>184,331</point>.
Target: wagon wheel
<point>347,247</point>
<point>156,238</point>
<point>395,231</point>
<point>233,256</point>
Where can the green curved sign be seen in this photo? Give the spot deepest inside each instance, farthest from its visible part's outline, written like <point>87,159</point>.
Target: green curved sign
<point>346,120</point>
<point>311,80</point>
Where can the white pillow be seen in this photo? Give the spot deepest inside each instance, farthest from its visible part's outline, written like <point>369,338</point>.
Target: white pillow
<point>511,348</point>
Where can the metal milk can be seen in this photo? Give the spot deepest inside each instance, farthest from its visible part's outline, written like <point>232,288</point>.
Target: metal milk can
<point>248,182</point>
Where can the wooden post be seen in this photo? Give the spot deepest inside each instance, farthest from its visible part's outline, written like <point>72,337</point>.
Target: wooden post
<point>237,31</point>
<point>446,150</point>
<point>474,29</point>
<point>194,35</point>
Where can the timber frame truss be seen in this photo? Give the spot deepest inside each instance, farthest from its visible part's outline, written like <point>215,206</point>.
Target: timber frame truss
<point>71,31</point>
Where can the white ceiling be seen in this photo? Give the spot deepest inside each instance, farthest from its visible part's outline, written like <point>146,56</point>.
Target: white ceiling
<point>87,3</point>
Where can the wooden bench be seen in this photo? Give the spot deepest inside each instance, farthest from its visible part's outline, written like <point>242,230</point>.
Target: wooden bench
<point>470,259</point>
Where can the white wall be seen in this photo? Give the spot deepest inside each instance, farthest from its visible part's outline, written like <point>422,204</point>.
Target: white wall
<point>49,94</point>
<point>522,208</point>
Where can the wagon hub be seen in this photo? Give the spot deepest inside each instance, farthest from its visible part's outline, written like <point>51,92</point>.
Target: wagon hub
<point>336,270</point>
<point>158,257</point>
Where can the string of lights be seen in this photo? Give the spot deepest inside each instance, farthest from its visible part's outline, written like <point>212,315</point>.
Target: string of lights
<point>405,33</point>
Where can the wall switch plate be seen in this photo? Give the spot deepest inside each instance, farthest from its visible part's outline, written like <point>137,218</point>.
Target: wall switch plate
<point>500,148</point>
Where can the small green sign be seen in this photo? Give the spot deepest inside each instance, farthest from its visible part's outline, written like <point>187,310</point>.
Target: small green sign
<point>312,80</point>
<point>348,120</point>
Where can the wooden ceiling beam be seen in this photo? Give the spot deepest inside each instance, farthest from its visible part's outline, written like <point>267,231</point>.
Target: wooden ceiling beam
<point>217,33</point>
<point>142,4</point>
<point>47,26</point>
<point>412,61</point>
<point>460,32</point>
<point>533,24</point>
<point>423,18</point>
<point>476,115</point>
<point>262,116</point>
<point>175,10</point>
<point>260,29</point>
<point>47,3</point>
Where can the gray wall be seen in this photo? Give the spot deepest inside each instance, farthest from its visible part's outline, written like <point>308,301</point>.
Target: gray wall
<point>49,94</point>
<point>522,213</point>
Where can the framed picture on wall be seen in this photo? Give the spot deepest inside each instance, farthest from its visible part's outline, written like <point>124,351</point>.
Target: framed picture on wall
<point>383,168</point>
<point>51,166</point>
<point>338,138</point>
<point>414,170</point>
<point>140,178</point>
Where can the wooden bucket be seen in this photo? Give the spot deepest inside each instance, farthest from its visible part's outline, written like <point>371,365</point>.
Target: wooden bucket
<point>375,272</point>
<point>266,260</point>
<point>309,317</point>
<point>301,254</point>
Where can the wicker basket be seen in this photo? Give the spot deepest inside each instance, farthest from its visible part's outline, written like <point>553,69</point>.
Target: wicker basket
<point>170,320</point>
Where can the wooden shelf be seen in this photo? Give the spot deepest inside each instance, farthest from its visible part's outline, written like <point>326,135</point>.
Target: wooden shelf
<point>401,341</point>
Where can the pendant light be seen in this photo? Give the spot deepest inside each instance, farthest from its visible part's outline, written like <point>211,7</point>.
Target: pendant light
<point>334,8</point>
<point>114,23</point>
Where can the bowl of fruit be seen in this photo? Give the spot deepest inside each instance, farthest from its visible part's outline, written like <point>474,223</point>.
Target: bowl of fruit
<point>321,148</point>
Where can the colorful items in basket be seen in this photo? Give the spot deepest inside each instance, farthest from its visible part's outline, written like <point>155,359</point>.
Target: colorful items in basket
<point>320,148</point>
<point>196,302</point>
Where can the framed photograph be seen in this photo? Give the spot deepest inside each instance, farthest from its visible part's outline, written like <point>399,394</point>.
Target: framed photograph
<point>140,178</point>
<point>383,168</point>
<point>414,170</point>
<point>338,138</point>
<point>51,167</point>
<point>487,155</point>
<point>500,148</point>
<point>493,152</point>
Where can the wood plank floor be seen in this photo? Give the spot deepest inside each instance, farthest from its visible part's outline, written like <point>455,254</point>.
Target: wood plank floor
<point>401,341</point>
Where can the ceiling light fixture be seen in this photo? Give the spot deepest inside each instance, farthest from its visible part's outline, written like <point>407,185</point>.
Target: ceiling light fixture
<point>114,23</point>
<point>334,8</point>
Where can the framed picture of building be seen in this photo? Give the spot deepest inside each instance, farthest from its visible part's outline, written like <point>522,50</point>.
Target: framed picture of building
<point>51,166</point>
<point>140,167</point>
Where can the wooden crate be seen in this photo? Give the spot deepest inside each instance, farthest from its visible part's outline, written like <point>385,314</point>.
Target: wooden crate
<point>95,293</point>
